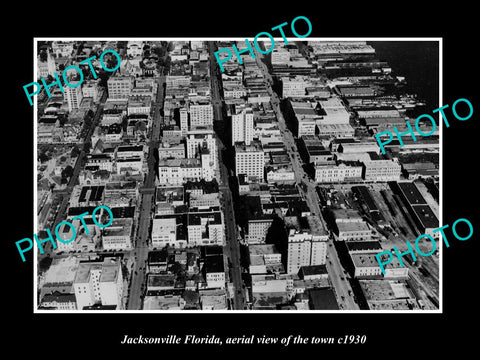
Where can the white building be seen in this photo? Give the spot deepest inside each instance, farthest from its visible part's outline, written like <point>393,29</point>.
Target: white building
<point>135,48</point>
<point>198,138</point>
<point>90,89</point>
<point>257,229</point>
<point>184,120</point>
<point>73,95</point>
<point>62,48</point>
<point>201,114</point>
<point>118,236</point>
<point>242,126</point>
<point>280,56</point>
<point>179,171</point>
<point>99,283</point>
<point>382,170</point>
<point>133,165</point>
<point>353,231</point>
<point>306,247</point>
<point>249,160</point>
<point>138,104</point>
<point>294,87</point>
<point>164,233</point>
<point>120,87</point>
<point>337,173</point>
<point>205,228</point>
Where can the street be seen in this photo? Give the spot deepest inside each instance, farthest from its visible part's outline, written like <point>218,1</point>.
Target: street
<point>335,270</point>
<point>147,193</point>
<point>232,246</point>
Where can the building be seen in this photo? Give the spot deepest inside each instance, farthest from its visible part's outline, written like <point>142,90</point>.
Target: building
<point>249,160</point>
<point>202,138</point>
<point>201,114</point>
<point>183,120</point>
<point>205,228</point>
<point>138,104</point>
<point>280,56</point>
<point>118,236</point>
<point>264,258</point>
<point>120,87</point>
<point>171,151</point>
<point>423,216</point>
<point>46,68</point>
<point>242,125</point>
<point>214,271</point>
<point>73,95</point>
<point>90,89</point>
<point>62,48</point>
<point>366,266</point>
<point>59,301</point>
<point>294,87</point>
<point>179,171</point>
<point>257,228</point>
<point>338,173</point>
<point>353,231</point>
<point>307,243</point>
<point>382,170</point>
<point>204,200</point>
<point>99,283</point>
<point>164,233</point>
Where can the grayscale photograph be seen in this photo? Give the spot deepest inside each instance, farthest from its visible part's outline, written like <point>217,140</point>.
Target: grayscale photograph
<point>233,175</point>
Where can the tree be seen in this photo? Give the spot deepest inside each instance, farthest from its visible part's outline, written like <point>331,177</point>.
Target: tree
<point>45,263</point>
<point>67,172</point>
<point>75,151</point>
<point>43,157</point>
<point>86,146</point>
<point>43,56</point>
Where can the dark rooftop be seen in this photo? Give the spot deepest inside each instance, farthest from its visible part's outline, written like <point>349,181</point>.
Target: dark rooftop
<point>322,299</point>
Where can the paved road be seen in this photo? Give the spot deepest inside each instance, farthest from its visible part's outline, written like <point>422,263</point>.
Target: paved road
<point>65,194</point>
<point>232,246</point>
<point>335,270</point>
<point>141,240</point>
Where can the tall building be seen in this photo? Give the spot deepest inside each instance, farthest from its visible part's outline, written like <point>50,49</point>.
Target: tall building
<point>201,114</point>
<point>99,283</point>
<point>48,67</point>
<point>73,95</point>
<point>307,243</point>
<point>242,125</point>
<point>119,87</point>
<point>294,87</point>
<point>381,170</point>
<point>200,138</point>
<point>184,121</point>
<point>249,160</point>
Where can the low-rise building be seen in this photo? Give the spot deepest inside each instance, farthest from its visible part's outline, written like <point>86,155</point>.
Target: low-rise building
<point>118,236</point>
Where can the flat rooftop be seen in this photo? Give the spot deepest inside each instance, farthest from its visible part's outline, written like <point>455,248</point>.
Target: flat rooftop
<point>262,249</point>
<point>411,192</point>
<point>369,260</point>
<point>363,246</point>
<point>426,215</point>
<point>352,226</point>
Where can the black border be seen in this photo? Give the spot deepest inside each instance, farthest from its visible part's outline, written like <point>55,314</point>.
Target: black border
<point>101,333</point>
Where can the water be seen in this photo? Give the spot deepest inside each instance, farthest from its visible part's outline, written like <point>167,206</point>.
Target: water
<point>417,61</point>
